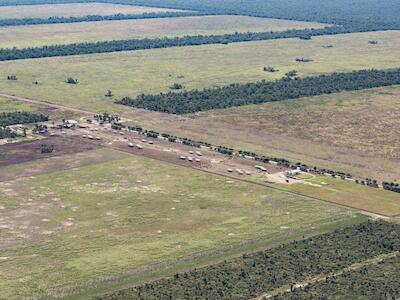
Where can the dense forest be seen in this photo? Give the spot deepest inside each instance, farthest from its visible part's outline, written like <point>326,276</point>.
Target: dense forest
<point>355,14</point>
<point>261,92</point>
<point>254,274</point>
<point>381,281</point>
<point>13,118</point>
<point>151,43</point>
<point>94,18</point>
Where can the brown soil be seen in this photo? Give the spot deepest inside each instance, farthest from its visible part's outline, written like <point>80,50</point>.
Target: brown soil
<point>26,151</point>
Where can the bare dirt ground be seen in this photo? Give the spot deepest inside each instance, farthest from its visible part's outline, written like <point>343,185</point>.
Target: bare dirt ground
<point>16,153</point>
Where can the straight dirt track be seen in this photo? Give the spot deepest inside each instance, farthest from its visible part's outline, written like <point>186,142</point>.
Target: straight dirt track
<point>44,103</point>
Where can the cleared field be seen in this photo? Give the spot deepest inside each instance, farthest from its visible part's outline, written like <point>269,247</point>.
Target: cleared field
<point>39,35</point>
<point>64,228</point>
<point>153,71</point>
<point>73,10</point>
<point>354,132</point>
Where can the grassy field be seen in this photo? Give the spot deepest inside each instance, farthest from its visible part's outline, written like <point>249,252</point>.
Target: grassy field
<point>73,10</point>
<point>152,71</point>
<point>65,228</point>
<point>7,105</point>
<point>349,194</point>
<point>39,35</point>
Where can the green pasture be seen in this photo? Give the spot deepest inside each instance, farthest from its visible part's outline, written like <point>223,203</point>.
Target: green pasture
<point>80,226</point>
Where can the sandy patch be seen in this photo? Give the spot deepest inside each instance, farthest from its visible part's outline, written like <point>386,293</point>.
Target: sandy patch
<point>46,232</point>
<point>68,224</point>
<point>111,214</point>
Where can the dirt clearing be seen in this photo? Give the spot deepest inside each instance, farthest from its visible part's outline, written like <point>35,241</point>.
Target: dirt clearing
<point>16,153</point>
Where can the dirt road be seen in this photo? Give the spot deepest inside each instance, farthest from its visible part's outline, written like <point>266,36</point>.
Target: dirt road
<point>44,103</point>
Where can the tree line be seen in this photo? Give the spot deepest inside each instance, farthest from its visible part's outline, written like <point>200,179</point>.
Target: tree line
<point>261,92</point>
<point>153,43</point>
<point>391,186</point>
<point>12,118</point>
<point>94,18</point>
<point>252,275</point>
